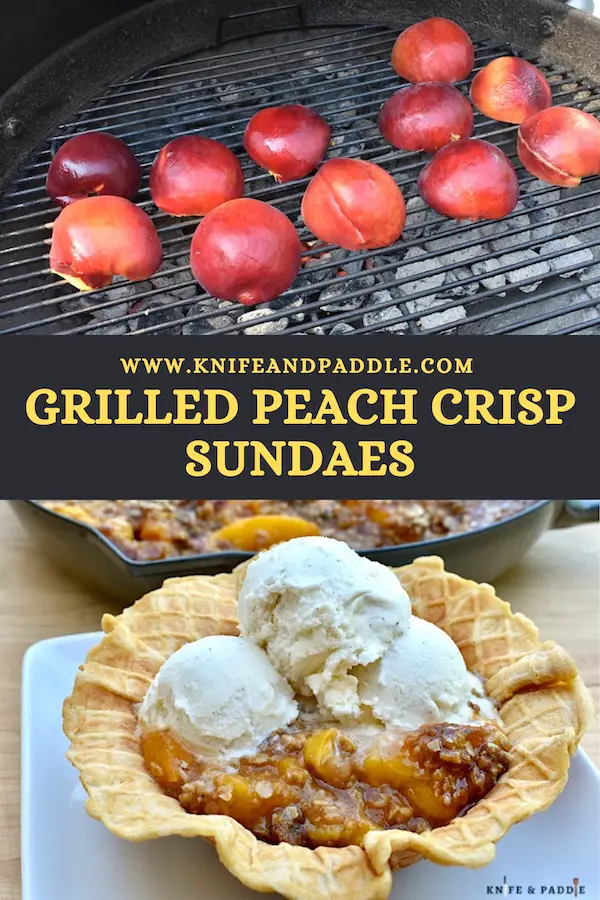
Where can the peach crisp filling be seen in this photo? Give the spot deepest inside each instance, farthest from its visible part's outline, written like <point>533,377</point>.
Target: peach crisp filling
<point>322,788</point>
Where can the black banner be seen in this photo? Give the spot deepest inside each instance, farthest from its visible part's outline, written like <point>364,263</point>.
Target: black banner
<point>370,417</point>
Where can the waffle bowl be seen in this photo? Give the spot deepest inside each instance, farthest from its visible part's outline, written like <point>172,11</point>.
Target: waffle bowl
<point>543,704</point>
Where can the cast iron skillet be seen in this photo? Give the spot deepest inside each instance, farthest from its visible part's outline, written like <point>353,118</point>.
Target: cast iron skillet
<point>83,551</point>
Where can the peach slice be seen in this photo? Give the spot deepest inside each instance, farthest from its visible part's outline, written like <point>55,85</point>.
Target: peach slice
<point>259,532</point>
<point>166,759</point>
<point>324,757</point>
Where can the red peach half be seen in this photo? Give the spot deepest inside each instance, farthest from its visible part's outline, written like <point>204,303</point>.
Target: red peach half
<point>100,237</point>
<point>471,179</point>
<point>355,204</point>
<point>192,175</point>
<point>560,145</point>
<point>92,163</point>
<point>289,141</point>
<point>425,117</point>
<point>510,89</point>
<point>245,250</point>
<point>433,50</point>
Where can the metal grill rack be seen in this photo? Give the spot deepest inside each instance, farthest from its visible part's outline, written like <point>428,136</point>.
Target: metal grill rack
<point>537,271</point>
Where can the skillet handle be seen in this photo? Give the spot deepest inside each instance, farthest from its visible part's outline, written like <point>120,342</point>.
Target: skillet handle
<point>574,512</point>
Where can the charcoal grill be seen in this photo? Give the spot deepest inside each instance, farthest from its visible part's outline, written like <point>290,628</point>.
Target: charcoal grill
<point>537,271</point>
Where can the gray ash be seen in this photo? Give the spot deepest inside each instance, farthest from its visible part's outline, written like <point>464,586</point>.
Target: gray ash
<point>246,93</point>
<point>261,327</point>
<point>175,279</point>
<point>382,319</point>
<point>151,312</point>
<point>333,298</point>
<point>346,143</point>
<point>123,291</point>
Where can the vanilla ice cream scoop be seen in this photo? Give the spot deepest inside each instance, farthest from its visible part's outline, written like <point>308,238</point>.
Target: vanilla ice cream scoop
<point>420,680</point>
<point>220,696</point>
<point>318,609</point>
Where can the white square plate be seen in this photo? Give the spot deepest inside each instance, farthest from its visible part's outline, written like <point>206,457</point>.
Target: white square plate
<point>68,856</point>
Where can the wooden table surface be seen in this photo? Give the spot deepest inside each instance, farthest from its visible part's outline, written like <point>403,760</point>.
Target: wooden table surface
<point>557,585</point>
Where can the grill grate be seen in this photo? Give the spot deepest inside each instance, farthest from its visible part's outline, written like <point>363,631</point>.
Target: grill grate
<point>537,271</point>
